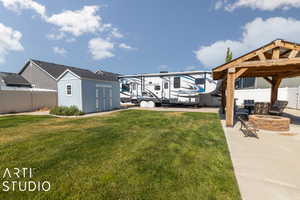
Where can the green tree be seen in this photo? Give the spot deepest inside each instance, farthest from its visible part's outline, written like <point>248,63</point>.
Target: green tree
<point>228,55</point>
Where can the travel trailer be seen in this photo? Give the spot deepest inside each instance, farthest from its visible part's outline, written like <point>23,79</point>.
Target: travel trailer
<point>184,88</point>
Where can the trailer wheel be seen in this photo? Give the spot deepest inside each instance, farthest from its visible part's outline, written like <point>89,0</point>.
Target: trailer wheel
<point>157,104</point>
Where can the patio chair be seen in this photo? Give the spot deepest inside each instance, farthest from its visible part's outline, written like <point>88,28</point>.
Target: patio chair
<point>248,128</point>
<point>250,105</point>
<point>242,113</point>
<point>278,107</point>
<point>261,108</point>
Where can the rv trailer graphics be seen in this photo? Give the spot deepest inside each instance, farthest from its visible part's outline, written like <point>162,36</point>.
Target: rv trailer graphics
<point>176,87</point>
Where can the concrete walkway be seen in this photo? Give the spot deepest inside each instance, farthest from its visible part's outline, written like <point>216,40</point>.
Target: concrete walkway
<point>267,167</point>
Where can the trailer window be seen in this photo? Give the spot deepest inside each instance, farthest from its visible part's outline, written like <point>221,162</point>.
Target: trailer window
<point>166,85</point>
<point>200,81</point>
<point>133,86</point>
<point>157,87</point>
<point>125,87</point>
<point>176,82</point>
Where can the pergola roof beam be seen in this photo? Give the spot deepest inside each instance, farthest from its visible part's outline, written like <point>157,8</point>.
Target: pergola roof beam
<point>269,63</point>
<point>293,54</point>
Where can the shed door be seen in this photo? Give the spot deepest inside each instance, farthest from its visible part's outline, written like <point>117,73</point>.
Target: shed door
<point>107,98</point>
<point>98,99</point>
<point>165,89</point>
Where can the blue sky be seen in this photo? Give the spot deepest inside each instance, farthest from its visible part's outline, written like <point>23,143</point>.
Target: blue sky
<point>139,36</point>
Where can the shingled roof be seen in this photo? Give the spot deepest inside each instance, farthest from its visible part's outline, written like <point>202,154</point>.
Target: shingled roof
<point>55,70</point>
<point>13,79</point>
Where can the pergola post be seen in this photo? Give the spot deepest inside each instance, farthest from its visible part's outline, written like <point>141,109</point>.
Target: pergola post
<point>230,97</point>
<point>223,97</point>
<point>274,91</point>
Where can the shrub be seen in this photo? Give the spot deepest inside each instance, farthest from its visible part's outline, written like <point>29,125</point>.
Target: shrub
<point>66,111</point>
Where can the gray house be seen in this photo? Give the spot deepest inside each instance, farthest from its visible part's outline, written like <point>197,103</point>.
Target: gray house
<point>90,92</point>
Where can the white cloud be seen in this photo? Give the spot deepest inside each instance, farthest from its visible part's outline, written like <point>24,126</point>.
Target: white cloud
<point>263,4</point>
<point>53,36</point>
<point>78,22</point>
<point>9,41</point>
<point>69,40</point>
<point>116,33</point>
<point>125,46</point>
<point>218,5</point>
<point>100,49</point>
<point>69,22</point>
<point>59,50</point>
<point>255,34</point>
<point>18,5</point>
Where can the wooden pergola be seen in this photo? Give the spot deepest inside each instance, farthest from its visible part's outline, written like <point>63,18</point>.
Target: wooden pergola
<point>275,61</point>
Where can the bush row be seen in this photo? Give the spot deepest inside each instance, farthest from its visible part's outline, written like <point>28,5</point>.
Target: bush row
<point>66,111</point>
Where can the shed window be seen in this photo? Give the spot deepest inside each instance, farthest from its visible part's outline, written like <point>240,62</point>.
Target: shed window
<point>69,89</point>
<point>200,81</point>
<point>176,82</point>
<point>157,87</point>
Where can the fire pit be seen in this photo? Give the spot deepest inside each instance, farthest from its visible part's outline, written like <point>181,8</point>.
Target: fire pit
<point>270,122</point>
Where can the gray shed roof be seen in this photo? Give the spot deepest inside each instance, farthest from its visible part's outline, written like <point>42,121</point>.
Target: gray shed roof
<point>56,70</point>
<point>13,79</point>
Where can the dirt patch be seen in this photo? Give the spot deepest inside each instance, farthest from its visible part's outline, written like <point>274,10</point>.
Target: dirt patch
<point>174,114</point>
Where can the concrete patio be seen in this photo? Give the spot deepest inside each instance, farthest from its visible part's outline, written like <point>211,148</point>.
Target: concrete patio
<point>267,167</point>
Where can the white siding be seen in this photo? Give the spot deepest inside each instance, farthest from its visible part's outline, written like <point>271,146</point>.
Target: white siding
<point>263,95</point>
<point>75,99</point>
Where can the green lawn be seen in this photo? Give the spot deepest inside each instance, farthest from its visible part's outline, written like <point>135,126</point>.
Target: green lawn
<point>127,155</point>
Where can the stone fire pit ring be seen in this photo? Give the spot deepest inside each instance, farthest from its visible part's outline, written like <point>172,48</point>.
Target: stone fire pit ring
<point>270,122</point>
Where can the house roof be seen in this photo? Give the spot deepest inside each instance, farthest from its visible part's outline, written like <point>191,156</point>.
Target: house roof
<point>109,76</point>
<point>13,79</point>
<point>55,70</point>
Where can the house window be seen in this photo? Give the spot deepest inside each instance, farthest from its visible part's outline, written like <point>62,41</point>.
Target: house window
<point>157,87</point>
<point>176,82</point>
<point>200,81</point>
<point>69,89</point>
<point>166,85</point>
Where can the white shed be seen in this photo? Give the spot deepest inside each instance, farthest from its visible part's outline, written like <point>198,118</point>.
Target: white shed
<point>90,92</point>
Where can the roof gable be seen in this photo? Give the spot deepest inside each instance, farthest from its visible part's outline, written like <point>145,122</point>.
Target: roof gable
<point>260,53</point>
<point>277,53</point>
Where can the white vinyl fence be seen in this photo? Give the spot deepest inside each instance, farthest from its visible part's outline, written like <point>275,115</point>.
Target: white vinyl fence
<point>13,100</point>
<point>263,95</point>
